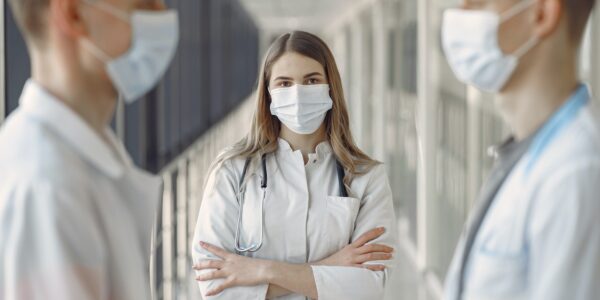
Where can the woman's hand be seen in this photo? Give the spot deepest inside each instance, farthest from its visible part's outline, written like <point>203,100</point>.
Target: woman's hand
<point>236,270</point>
<point>358,253</point>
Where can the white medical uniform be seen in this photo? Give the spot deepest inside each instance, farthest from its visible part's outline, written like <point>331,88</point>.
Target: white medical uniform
<point>305,220</point>
<point>540,239</point>
<point>75,214</point>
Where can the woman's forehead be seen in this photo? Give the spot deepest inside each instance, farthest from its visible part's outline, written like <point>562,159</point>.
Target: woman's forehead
<point>295,64</point>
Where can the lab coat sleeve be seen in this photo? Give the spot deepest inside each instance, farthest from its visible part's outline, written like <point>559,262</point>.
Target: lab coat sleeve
<point>564,235</point>
<point>376,210</point>
<point>216,225</point>
<point>51,245</point>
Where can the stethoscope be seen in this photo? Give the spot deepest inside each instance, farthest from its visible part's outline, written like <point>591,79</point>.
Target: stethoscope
<point>253,247</point>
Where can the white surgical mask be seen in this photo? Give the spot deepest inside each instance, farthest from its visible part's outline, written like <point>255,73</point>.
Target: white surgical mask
<point>155,35</point>
<point>470,40</point>
<point>301,108</point>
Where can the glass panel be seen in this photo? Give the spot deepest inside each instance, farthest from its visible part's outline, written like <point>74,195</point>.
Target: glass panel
<point>366,98</point>
<point>404,157</point>
<point>445,208</point>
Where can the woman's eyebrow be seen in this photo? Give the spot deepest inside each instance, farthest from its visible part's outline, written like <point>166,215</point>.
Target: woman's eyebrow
<point>283,78</point>
<point>313,74</point>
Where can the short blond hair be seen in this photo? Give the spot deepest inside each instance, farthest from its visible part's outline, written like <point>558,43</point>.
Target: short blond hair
<point>30,16</point>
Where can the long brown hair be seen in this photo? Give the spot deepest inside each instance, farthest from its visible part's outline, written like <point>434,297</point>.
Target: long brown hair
<point>263,135</point>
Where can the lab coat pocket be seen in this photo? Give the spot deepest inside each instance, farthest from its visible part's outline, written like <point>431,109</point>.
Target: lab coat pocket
<point>342,213</point>
<point>497,276</point>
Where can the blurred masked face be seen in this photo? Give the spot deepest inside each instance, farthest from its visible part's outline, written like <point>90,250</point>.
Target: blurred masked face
<point>129,42</point>
<point>485,40</point>
<point>513,30</point>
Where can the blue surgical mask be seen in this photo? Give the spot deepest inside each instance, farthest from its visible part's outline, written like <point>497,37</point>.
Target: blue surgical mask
<point>155,36</point>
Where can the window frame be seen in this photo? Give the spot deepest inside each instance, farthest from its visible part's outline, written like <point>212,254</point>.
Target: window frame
<point>2,66</point>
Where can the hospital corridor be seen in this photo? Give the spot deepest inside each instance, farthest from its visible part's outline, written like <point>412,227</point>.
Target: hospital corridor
<point>414,101</point>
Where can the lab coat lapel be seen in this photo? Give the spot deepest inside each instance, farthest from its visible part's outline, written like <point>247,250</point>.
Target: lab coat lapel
<point>502,169</point>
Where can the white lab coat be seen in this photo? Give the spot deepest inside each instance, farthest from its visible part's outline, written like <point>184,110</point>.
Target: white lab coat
<point>540,239</point>
<point>305,220</point>
<point>75,215</point>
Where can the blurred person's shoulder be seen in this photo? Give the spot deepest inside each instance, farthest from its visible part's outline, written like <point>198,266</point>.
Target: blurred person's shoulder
<point>576,148</point>
<point>42,191</point>
<point>31,154</point>
<point>581,140</point>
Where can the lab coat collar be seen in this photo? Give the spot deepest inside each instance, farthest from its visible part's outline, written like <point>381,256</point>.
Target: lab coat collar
<point>510,146</point>
<point>541,138</point>
<point>567,113</point>
<point>495,151</point>
<point>39,104</point>
<point>322,150</point>
<point>284,146</point>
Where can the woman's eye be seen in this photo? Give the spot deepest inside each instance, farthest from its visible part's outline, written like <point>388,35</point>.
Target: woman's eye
<point>285,84</point>
<point>313,81</point>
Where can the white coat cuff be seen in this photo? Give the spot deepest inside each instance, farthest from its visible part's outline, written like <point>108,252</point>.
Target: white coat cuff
<point>324,292</point>
<point>261,292</point>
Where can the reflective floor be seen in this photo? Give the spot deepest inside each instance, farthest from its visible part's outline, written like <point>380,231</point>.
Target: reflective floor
<point>407,283</point>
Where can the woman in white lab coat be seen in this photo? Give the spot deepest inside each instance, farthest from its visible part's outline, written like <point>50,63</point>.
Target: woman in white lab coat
<point>296,210</point>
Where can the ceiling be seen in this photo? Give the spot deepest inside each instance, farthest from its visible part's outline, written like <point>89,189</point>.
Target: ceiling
<point>278,15</point>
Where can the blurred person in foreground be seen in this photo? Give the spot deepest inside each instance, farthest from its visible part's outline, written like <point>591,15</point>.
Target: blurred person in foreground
<point>535,231</point>
<point>75,214</point>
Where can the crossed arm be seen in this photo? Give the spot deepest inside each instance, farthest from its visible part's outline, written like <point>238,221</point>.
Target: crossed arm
<point>285,278</point>
<point>351,273</point>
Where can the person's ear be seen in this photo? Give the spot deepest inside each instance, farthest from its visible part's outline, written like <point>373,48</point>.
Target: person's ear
<point>159,5</point>
<point>66,15</point>
<point>548,17</point>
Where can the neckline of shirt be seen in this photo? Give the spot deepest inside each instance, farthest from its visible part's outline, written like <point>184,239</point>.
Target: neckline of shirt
<point>322,151</point>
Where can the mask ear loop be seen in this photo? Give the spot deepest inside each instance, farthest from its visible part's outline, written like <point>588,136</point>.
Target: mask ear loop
<point>101,55</point>
<point>515,10</point>
<point>110,9</point>
<point>511,13</point>
<point>532,42</point>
